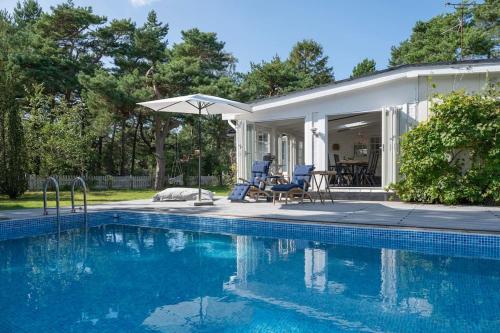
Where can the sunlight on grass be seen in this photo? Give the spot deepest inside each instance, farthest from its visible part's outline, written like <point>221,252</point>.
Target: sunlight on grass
<point>34,199</point>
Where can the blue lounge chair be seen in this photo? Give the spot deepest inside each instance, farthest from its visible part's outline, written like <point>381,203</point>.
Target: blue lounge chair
<point>255,187</point>
<point>299,186</point>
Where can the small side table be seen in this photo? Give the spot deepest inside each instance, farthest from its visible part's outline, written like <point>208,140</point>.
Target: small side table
<point>326,176</point>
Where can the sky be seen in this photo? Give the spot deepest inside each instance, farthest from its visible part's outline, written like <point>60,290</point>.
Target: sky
<point>256,30</point>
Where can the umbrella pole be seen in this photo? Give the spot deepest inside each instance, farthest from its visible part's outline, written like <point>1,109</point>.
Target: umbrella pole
<point>199,152</point>
<point>199,202</point>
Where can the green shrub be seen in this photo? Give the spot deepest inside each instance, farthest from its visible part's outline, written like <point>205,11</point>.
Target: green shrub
<point>454,157</point>
<point>12,149</point>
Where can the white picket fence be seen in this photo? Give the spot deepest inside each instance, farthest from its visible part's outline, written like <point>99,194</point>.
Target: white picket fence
<point>36,183</point>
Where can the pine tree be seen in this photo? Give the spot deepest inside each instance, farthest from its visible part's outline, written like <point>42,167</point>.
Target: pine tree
<point>366,66</point>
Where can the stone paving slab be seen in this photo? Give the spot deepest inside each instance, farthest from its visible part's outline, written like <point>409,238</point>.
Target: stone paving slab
<point>379,213</point>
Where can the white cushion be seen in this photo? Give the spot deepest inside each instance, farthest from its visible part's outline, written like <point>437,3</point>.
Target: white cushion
<point>183,194</point>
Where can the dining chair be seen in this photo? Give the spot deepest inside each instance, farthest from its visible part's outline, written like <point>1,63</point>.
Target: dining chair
<point>367,173</point>
<point>343,175</point>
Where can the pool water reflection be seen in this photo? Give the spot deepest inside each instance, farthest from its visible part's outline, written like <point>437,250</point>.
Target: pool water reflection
<point>137,279</point>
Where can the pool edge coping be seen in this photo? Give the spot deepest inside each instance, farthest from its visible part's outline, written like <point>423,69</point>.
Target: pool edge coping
<point>297,221</point>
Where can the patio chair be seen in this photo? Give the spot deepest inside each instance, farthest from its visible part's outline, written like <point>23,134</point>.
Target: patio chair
<point>343,175</point>
<point>299,185</point>
<point>367,174</point>
<point>255,187</point>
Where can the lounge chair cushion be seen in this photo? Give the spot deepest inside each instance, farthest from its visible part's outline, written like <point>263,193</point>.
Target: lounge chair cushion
<point>239,192</point>
<point>284,187</point>
<point>261,166</point>
<point>301,173</point>
<point>260,171</point>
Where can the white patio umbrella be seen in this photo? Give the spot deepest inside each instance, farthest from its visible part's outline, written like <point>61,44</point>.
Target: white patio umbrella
<point>198,314</point>
<point>198,104</point>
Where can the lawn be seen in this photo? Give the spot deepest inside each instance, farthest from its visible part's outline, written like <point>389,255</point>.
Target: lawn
<point>35,200</point>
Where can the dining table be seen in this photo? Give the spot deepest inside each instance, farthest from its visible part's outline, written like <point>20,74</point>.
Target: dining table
<point>353,165</point>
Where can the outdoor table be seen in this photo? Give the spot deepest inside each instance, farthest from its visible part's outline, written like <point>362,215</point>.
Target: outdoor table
<point>352,165</point>
<point>326,176</point>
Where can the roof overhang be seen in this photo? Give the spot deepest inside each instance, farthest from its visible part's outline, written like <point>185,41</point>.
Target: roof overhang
<point>406,72</point>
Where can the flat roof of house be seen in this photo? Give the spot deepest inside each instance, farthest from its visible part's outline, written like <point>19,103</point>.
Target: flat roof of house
<point>419,69</point>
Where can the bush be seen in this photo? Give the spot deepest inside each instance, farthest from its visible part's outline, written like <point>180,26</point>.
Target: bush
<point>12,151</point>
<point>454,157</point>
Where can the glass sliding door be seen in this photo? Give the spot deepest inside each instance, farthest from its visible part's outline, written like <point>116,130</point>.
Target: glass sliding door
<point>263,144</point>
<point>283,154</point>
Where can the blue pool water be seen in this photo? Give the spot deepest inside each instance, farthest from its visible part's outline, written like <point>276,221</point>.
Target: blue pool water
<point>133,278</point>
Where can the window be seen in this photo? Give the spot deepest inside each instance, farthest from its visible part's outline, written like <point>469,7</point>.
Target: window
<point>375,143</point>
<point>283,153</point>
<point>262,144</point>
<point>300,153</point>
<point>360,151</point>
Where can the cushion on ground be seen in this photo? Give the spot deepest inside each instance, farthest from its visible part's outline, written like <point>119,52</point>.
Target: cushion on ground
<point>284,187</point>
<point>182,194</point>
<point>239,192</point>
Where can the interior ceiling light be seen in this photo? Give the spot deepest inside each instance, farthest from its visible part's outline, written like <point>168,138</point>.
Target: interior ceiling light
<point>353,125</point>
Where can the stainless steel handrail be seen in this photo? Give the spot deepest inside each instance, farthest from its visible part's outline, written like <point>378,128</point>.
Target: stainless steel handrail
<point>45,210</point>
<point>73,210</point>
<point>84,186</point>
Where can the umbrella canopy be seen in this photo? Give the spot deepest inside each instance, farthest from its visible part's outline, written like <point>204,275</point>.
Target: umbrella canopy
<point>201,314</point>
<point>197,104</point>
<point>194,103</point>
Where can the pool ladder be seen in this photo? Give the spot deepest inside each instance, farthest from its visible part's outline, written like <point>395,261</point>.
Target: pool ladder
<point>45,210</point>
<point>84,187</point>
<point>73,210</point>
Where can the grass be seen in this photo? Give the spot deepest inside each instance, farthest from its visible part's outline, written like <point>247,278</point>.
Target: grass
<point>35,199</point>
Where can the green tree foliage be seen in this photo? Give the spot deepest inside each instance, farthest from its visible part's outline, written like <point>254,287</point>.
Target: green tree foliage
<point>57,139</point>
<point>455,156</point>
<point>305,67</point>
<point>12,146</point>
<point>60,45</point>
<point>438,39</point>
<point>307,57</point>
<point>366,66</point>
<point>272,78</point>
<point>199,64</point>
<point>78,77</point>
<point>12,149</point>
<point>26,13</point>
<point>486,17</point>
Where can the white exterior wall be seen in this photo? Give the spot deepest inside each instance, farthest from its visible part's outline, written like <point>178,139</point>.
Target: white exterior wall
<point>403,95</point>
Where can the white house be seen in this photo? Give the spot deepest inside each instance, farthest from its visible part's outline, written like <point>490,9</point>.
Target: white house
<point>351,118</point>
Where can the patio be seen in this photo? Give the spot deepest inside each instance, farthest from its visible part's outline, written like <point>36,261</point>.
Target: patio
<point>353,149</point>
<point>361,213</point>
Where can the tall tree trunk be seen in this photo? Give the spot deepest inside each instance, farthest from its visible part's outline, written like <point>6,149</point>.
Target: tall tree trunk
<point>99,155</point>
<point>161,129</point>
<point>160,135</point>
<point>122,147</point>
<point>111,161</point>
<point>134,145</point>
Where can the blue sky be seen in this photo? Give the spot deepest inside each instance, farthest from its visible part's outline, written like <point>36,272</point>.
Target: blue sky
<point>255,30</point>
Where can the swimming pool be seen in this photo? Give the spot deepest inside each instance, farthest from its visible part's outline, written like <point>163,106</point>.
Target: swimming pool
<point>143,272</point>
